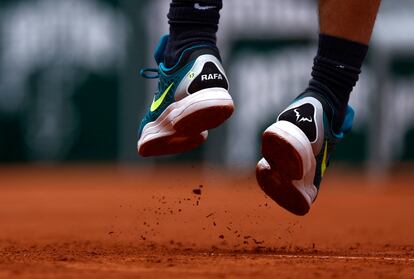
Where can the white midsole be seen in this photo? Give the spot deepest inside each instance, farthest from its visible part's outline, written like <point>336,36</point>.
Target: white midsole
<point>300,142</point>
<point>164,124</point>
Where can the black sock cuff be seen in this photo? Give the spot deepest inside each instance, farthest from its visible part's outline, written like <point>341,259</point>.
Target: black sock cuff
<point>342,51</point>
<point>184,12</point>
<point>218,3</point>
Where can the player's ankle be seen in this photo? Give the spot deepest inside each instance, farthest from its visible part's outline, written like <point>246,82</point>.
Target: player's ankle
<point>335,72</point>
<point>191,23</point>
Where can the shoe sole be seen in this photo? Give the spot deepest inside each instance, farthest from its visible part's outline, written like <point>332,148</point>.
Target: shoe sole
<point>287,173</point>
<point>183,125</point>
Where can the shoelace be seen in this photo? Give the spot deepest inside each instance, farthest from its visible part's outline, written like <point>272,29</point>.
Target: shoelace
<point>146,73</point>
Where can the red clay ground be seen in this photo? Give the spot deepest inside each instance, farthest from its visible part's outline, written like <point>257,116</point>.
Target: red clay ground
<point>108,222</point>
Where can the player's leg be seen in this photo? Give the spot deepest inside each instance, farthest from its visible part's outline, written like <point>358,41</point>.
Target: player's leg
<point>296,149</point>
<point>353,20</point>
<point>192,95</point>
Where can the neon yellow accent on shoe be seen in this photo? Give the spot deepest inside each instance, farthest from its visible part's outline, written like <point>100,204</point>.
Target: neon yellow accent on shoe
<point>325,157</point>
<point>156,103</point>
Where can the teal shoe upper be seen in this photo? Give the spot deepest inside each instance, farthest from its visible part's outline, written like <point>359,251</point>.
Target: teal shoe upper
<point>331,140</point>
<point>168,78</point>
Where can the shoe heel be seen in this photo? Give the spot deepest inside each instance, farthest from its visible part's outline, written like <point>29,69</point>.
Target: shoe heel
<point>287,149</point>
<point>204,110</point>
<point>282,190</point>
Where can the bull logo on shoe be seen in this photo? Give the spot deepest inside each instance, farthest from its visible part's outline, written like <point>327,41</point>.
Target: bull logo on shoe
<point>302,116</point>
<point>301,119</point>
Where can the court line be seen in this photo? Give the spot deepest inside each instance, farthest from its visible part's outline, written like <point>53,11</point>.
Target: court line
<point>356,258</point>
<point>140,269</point>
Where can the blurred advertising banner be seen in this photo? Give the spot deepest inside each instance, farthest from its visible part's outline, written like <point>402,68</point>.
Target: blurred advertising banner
<point>59,78</point>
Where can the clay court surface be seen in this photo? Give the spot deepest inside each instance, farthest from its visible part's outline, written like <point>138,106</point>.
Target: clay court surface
<point>184,222</point>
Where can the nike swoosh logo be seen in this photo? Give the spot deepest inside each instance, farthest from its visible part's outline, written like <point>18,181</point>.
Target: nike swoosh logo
<point>325,158</point>
<point>156,103</point>
<point>197,6</point>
